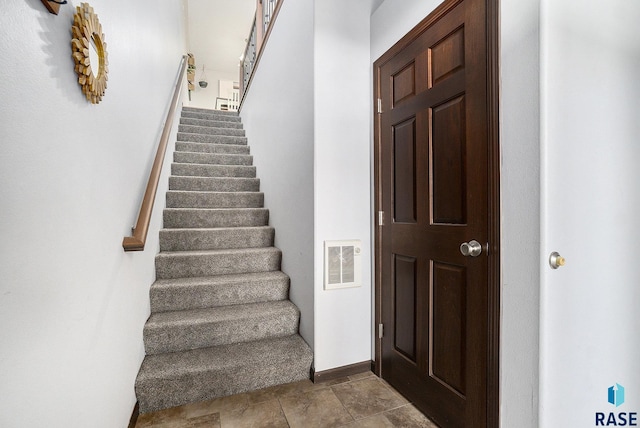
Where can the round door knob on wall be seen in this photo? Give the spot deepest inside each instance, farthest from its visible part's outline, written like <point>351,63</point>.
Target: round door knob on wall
<point>471,248</point>
<point>556,260</point>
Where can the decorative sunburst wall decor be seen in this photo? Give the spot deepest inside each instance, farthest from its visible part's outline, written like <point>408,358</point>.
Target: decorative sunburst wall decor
<point>86,31</point>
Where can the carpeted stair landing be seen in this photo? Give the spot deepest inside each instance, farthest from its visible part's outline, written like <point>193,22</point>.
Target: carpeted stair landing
<point>221,322</point>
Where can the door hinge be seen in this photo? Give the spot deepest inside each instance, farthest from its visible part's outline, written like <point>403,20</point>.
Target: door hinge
<point>380,331</point>
<point>379,106</point>
<point>380,218</point>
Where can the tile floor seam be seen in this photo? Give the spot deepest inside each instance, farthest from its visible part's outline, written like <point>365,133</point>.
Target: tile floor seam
<point>312,397</point>
<point>283,412</point>
<point>341,402</point>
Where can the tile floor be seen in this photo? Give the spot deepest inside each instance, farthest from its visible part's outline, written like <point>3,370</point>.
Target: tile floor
<point>362,400</point>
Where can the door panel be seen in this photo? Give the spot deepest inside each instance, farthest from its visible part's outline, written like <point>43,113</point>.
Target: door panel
<point>448,155</point>
<point>449,301</point>
<point>447,57</point>
<point>433,174</point>
<point>405,294</point>
<point>404,182</point>
<point>404,84</point>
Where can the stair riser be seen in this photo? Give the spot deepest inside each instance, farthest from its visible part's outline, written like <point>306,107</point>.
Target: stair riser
<point>205,295</point>
<point>174,338</point>
<point>211,131</point>
<point>213,123</point>
<point>215,139</point>
<point>177,199</point>
<point>197,387</point>
<point>214,239</point>
<point>211,116</point>
<point>273,366</point>
<point>195,218</point>
<point>213,184</point>
<point>187,109</point>
<point>199,170</point>
<point>179,265</point>
<point>212,158</point>
<point>183,146</point>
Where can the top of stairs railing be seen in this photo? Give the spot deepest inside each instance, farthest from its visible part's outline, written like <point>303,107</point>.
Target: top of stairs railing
<point>266,13</point>
<point>138,239</point>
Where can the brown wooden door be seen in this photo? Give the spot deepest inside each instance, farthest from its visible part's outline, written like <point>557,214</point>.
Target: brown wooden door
<point>433,176</point>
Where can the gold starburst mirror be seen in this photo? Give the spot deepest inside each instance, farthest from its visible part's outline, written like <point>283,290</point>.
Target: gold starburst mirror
<point>89,53</point>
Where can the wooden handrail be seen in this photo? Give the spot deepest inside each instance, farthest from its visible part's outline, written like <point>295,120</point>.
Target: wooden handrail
<point>139,238</point>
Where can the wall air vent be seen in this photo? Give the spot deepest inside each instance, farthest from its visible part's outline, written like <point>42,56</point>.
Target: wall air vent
<point>342,264</point>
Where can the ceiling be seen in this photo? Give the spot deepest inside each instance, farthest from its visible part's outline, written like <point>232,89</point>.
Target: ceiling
<point>218,30</point>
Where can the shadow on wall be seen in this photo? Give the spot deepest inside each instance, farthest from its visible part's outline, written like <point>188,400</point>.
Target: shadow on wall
<point>55,33</point>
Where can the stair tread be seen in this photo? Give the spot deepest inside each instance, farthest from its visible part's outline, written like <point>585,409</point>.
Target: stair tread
<point>207,154</point>
<point>210,122</point>
<point>207,164</point>
<point>189,253</point>
<point>175,331</point>
<point>212,199</point>
<point>211,113</point>
<point>222,159</point>
<point>182,153</point>
<point>173,379</point>
<point>194,137</point>
<point>191,177</point>
<point>203,126</point>
<point>212,229</point>
<point>211,130</point>
<point>196,144</point>
<point>214,184</point>
<point>218,290</point>
<point>256,353</point>
<point>210,110</point>
<point>213,192</point>
<point>212,165</point>
<point>215,154</point>
<point>233,212</point>
<point>213,171</point>
<point>235,137</point>
<point>220,313</point>
<point>219,279</point>
<point>216,209</point>
<point>214,217</point>
<point>194,147</point>
<point>183,239</point>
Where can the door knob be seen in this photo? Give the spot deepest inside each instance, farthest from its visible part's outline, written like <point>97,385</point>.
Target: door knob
<point>471,248</point>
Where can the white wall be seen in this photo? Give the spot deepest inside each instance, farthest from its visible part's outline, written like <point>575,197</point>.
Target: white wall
<point>393,19</point>
<point>342,176</point>
<point>591,205</point>
<point>308,126</point>
<point>72,303</point>
<point>278,118</point>
<point>206,97</point>
<point>520,212</point>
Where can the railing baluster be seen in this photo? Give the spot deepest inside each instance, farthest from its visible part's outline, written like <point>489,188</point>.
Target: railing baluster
<point>254,44</point>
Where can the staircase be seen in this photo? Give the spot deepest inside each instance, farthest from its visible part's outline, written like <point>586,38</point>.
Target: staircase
<point>221,322</point>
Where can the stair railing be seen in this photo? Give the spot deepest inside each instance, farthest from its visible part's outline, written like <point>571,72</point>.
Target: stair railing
<point>138,239</point>
<point>266,12</point>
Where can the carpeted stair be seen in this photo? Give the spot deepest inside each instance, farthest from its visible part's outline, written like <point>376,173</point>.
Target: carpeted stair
<point>221,322</point>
